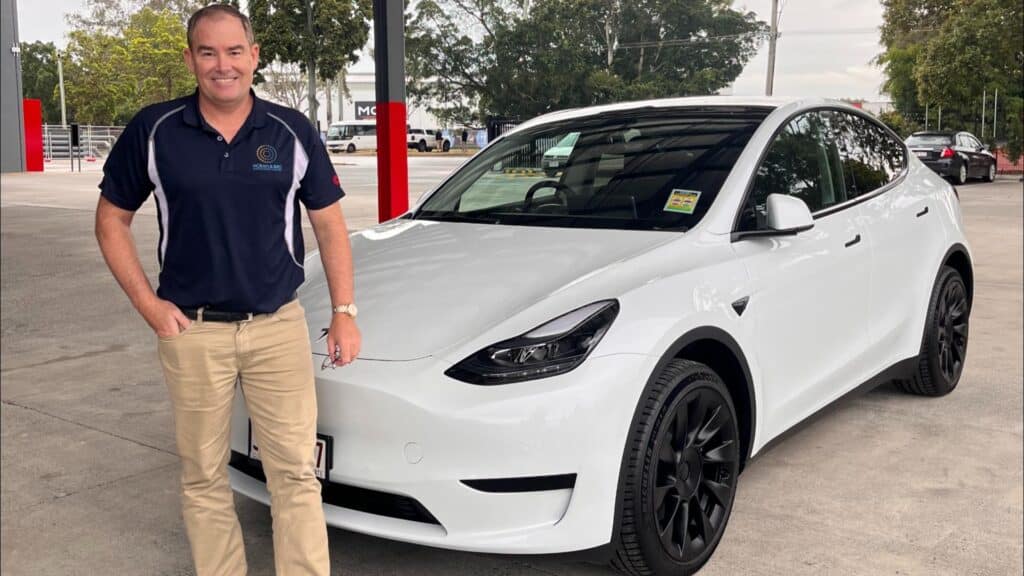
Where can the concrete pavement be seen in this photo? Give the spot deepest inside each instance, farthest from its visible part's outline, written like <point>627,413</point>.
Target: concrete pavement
<point>884,484</point>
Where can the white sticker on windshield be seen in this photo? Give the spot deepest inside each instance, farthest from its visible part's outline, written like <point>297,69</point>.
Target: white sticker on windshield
<point>682,201</point>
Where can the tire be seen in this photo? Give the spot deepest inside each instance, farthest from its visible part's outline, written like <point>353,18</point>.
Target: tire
<point>446,146</point>
<point>960,177</point>
<point>663,469</point>
<point>351,148</point>
<point>990,173</point>
<point>944,343</point>
<point>422,146</point>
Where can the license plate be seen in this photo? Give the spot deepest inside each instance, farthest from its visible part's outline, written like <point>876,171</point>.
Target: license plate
<point>552,163</point>
<point>921,154</point>
<point>322,453</point>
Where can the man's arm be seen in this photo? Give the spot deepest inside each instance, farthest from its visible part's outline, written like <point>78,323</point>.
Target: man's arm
<point>336,255</point>
<point>113,232</point>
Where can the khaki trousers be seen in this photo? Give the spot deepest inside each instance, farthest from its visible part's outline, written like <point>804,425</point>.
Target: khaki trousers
<point>270,357</point>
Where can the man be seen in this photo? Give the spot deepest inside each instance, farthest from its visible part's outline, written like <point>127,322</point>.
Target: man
<point>228,171</point>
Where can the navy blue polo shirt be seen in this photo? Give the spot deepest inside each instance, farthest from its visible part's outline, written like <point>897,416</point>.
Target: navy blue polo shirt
<point>230,223</point>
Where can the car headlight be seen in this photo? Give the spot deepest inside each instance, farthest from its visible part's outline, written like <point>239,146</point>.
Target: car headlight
<point>553,348</point>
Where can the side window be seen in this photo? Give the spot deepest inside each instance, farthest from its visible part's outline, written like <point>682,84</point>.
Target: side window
<point>800,162</point>
<point>871,157</point>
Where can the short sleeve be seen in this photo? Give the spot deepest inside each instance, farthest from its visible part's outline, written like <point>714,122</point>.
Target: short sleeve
<point>320,187</point>
<point>126,181</point>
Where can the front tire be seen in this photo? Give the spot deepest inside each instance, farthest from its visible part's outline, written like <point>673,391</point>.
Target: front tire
<point>944,344</point>
<point>679,476</point>
<point>351,148</point>
<point>990,174</point>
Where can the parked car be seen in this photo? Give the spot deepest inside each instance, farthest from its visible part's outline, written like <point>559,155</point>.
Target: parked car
<point>955,155</point>
<point>421,139</point>
<point>556,156</point>
<point>558,364</point>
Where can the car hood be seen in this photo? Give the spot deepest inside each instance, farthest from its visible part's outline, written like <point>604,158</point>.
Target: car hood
<point>424,286</point>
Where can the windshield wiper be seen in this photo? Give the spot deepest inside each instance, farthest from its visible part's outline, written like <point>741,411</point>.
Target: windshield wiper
<point>453,217</point>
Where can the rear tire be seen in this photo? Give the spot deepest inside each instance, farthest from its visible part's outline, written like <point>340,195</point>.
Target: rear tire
<point>960,177</point>
<point>678,480</point>
<point>422,146</point>
<point>944,344</point>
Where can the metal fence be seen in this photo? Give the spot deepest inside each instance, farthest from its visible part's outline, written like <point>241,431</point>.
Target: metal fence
<point>94,141</point>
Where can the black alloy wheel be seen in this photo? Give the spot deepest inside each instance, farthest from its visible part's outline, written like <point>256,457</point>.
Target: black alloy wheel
<point>940,362</point>
<point>679,473</point>
<point>695,474</point>
<point>951,330</point>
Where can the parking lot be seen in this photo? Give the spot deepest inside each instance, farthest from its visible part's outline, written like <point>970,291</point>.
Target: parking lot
<point>882,484</point>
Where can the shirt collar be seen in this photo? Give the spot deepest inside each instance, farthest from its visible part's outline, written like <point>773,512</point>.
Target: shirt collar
<point>257,116</point>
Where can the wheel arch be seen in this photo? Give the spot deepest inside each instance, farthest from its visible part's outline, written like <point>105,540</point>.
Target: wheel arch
<point>714,347</point>
<point>958,259</point>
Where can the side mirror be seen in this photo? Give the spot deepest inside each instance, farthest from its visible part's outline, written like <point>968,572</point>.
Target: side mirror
<point>787,214</point>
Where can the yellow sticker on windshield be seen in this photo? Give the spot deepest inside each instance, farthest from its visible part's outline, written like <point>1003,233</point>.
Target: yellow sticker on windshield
<point>682,201</point>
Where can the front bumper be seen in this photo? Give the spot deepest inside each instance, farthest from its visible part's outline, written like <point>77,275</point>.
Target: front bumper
<point>405,435</point>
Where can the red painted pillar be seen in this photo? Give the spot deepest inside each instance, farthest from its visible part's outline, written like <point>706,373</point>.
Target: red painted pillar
<point>392,155</point>
<point>33,115</point>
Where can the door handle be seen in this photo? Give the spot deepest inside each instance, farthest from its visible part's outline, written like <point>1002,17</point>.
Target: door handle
<point>856,240</point>
<point>922,212</point>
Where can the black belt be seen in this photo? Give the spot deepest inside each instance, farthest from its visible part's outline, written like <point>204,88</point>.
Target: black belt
<point>210,315</point>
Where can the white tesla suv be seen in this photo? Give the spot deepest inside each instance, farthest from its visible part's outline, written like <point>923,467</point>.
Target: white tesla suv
<point>589,359</point>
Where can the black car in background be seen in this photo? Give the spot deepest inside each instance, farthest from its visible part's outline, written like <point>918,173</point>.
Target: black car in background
<point>955,155</point>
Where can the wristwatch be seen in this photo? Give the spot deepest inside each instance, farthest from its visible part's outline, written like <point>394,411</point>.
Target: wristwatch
<point>349,309</point>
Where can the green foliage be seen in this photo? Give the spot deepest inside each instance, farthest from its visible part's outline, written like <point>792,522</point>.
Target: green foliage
<point>899,123</point>
<point>112,75</point>
<point>112,16</point>
<point>39,77</point>
<point>948,54</point>
<point>340,29</point>
<point>494,57</point>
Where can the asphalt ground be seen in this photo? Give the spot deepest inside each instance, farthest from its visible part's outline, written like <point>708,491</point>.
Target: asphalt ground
<point>881,484</point>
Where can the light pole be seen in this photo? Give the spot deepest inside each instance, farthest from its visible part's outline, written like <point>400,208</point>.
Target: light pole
<point>60,77</point>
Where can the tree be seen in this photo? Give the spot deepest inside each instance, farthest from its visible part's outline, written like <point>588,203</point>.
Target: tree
<point>948,53</point>
<point>340,30</point>
<point>111,16</point>
<point>284,83</point>
<point>495,57</point>
<point>39,77</point>
<point>111,76</point>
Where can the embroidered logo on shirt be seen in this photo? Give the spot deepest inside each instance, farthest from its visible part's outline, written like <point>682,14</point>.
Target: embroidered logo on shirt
<point>267,156</point>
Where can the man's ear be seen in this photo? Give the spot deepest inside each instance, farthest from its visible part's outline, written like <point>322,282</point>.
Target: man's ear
<point>187,55</point>
<point>255,56</point>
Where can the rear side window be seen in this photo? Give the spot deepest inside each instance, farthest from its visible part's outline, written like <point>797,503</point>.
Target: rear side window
<point>871,157</point>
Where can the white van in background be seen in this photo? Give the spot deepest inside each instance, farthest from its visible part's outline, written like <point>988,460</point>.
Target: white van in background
<point>352,135</point>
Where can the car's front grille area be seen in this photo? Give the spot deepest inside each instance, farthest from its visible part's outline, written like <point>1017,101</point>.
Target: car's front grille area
<point>351,497</point>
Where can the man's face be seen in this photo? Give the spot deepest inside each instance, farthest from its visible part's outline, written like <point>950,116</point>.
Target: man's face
<point>222,60</point>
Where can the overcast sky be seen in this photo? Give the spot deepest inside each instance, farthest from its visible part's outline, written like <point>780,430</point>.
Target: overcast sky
<point>825,49</point>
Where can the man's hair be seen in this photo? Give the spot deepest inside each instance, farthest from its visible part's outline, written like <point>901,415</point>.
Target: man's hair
<point>219,10</point>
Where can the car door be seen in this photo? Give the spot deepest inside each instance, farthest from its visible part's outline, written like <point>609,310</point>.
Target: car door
<point>809,291</point>
<point>901,211</point>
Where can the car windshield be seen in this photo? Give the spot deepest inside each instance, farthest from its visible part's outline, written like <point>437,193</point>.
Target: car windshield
<point>929,140</point>
<point>647,169</point>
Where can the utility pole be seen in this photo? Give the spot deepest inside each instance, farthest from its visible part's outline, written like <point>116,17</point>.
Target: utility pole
<point>995,117</point>
<point>311,62</point>
<point>772,37</point>
<point>60,77</point>
<point>926,116</point>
